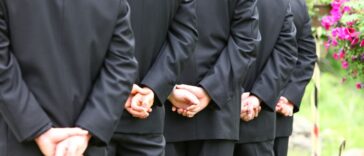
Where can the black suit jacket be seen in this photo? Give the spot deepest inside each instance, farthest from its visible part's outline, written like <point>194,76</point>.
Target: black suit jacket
<point>165,36</point>
<point>228,37</point>
<point>295,87</point>
<point>275,61</point>
<point>63,65</point>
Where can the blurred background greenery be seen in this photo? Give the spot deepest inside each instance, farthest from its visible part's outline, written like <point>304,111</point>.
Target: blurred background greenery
<point>341,105</point>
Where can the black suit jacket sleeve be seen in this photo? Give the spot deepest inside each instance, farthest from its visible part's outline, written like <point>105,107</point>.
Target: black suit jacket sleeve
<point>180,43</point>
<point>235,59</point>
<point>303,71</point>
<point>111,89</point>
<point>18,106</point>
<point>279,66</point>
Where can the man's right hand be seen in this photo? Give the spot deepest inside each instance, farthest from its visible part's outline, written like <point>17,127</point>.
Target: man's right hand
<point>182,99</point>
<point>136,95</point>
<point>250,108</point>
<point>47,142</point>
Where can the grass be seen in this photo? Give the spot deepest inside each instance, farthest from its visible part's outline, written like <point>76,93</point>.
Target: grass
<point>341,108</point>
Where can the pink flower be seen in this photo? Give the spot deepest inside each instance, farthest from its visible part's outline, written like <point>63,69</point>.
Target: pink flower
<point>346,9</point>
<point>334,42</point>
<point>345,33</point>
<point>351,23</point>
<point>359,85</point>
<point>327,22</point>
<point>352,33</point>
<point>362,43</point>
<point>344,64</point>
<point>335,32</point>
<point>336,4</point>
<point>342,54</point>
<point>354,41</point>
<point>335,56</point>
<point>336,14</point>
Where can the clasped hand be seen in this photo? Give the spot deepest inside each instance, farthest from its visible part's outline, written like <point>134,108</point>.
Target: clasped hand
<point>140,102</point>
<point>250,107</point>
<point>284,107</point>
<point>63,142</point>
<point>188,100</point>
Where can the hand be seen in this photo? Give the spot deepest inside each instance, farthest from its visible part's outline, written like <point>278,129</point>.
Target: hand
<point>136,89</point>
<point>140,102</point>
<point>48,141</point>
<point>284,107</point>
<point>250,108</point>
<point>73,146</point>
<point>201,94</point>
<point>182,99</point>
<point>146,101</point>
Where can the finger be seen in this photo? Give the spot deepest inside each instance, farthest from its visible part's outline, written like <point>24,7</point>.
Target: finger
<point>128,102</point>
<point>244,108</point>
<point>180,111</point>
<point>191,99</point>
<point>136,103</point>
<point>256,114</point>
<point>245,95</point>
<point>279,106</point>
<point>184,113</point>
<point>246,118</point>
<point>250,117</point>
<point>284,99</point>
<point>241,115</point>
<point>72,149</point>
<point>192,108</point>
<point>138,114</point>
<point>285,112</point>
<point>289,111</point>
<point>174,109</point>
<point>61,148</point>
<point>256,110</point>
<point>148,100</point>
<point>191,114</point>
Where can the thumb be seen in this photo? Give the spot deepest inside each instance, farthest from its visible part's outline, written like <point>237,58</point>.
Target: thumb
<point>75,131</point>
<point>136,89</point>
<point>64,133</point>
<point>191,98</point>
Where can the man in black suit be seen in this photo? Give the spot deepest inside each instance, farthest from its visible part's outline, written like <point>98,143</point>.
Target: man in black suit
<point>291,95</point>
<point>275,61</point>
<point>165,36</point>
<point>63,64</point>
<point>202,115</point>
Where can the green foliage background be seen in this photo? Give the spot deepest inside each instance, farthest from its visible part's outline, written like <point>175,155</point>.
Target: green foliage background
<point>341,105</point>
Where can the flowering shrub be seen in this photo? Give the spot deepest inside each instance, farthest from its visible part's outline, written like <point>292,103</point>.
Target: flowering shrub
<point>345,27</point>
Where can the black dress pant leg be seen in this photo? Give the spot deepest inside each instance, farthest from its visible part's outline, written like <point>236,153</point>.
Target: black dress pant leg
<point>255,149</point>
<point>201,148</point>
<point>123,144</point>
<point>281,146</point>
